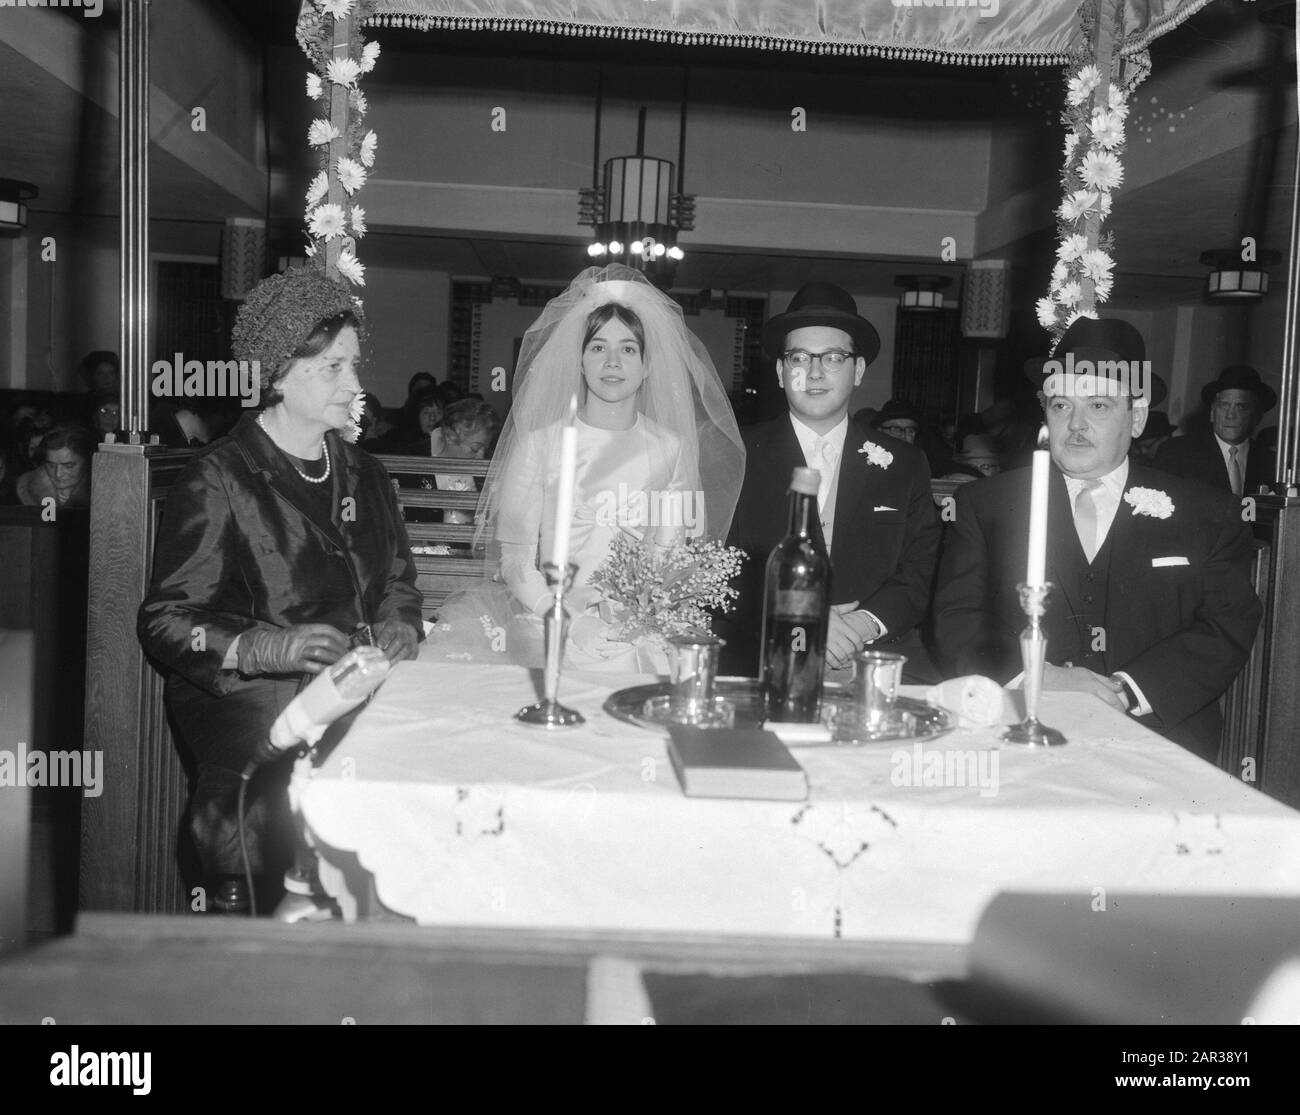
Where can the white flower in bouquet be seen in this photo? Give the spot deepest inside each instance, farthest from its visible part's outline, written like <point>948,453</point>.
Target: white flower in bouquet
<point>1103,207</point>
<point>358,102</point>
<point>1072,247</point>
<point>1149,501</point>
<point>315,87</point>
<point>877,455</point>
<point>356,411</point>
<point>1101,170</point>
<point>1071,144</point>
<point>369,56</point>
<point>1102,288</point>
<point>326,222</point>
<point>358,221</point>
<point>1046,309</point>
<point>1082,84</point>
<point>649,597</point>
<point>1107,129</point>
<point>351,268</point>
<point>1060,272</point>
<point>352,175</point>
<point>343,71</point>
<point>319,187</point>
<point>368,145</point>
<point>320,133</point>
<point>1077,314</point>
<point>1069,294</point>
<point>1118,102</point>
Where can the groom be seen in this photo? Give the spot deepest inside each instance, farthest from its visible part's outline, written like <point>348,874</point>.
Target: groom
<point>877,515</point>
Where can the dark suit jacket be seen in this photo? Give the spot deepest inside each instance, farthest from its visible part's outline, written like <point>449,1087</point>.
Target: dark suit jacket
<point>238,550</point>
<point>883,547</point>
<point>1182,631</point>
<point>1197,457</point>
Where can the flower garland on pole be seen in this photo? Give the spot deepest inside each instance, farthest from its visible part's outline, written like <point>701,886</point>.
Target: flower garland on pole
<point>329,32</point>
<point>1094,118</point>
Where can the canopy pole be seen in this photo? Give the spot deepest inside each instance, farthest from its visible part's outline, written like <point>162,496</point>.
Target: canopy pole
<point>340,111</point>
<point>1108,16</point>
<point>133,231</point>
<point>1288,440</point>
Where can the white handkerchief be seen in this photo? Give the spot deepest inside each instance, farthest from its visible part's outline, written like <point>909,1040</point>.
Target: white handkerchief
<point>977,702</point>
<point>882,507</point>
<point>1157,563</point>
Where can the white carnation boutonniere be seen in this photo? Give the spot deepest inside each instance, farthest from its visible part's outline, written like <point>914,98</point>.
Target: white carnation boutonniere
<point>356,410</point>
<point>877,455</point>
<point>1149,501</point>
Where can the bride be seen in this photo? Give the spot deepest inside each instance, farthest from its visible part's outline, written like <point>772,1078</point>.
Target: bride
<point>659,457</point>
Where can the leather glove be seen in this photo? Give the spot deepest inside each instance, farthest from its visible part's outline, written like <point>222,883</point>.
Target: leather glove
<point>305,648</point>
<point>397,639</point>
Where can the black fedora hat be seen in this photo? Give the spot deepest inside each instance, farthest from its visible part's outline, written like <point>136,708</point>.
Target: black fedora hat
<point>1240,377</point>
<point>1100,341</point>
<point>823,304</point>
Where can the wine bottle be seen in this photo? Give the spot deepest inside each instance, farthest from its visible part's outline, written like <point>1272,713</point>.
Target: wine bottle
<point>796,610</point>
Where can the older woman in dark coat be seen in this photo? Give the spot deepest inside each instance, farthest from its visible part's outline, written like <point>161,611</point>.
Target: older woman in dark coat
<point>279,545</point>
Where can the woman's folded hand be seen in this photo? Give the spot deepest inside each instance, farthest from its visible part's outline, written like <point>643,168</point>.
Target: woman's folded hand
<point>305,648</point>
<point>397,639</point>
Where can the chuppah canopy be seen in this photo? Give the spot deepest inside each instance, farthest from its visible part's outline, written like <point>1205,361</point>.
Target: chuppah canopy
<point>978,32</point>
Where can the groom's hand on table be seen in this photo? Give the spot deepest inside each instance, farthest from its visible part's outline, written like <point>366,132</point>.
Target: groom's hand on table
<point>1081,680</point>
<point>397,639</point>
<point>848,631</point>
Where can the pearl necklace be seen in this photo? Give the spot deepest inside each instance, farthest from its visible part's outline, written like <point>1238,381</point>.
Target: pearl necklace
<point>324,449</point>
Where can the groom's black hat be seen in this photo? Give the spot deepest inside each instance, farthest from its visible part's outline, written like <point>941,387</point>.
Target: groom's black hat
<point>823,304</point>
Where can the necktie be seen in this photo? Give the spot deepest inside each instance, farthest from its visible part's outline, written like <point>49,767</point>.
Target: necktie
<point>823,460</point>
<point>1085,518</point>
<point>1234,470</point>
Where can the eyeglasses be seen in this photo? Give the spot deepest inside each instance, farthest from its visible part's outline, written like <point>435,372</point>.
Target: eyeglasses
<point>832,360</point>
<point>1234,408</point>
<point>897,430</point>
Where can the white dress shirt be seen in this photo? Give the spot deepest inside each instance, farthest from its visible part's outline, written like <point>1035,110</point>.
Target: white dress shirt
<point>1243,454</point>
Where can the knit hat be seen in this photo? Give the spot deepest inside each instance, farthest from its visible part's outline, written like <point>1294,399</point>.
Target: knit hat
<point>282,311</point>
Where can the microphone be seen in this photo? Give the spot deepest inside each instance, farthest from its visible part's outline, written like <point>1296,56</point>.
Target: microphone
<point>334,691</point>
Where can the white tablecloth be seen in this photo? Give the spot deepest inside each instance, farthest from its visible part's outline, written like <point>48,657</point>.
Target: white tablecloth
<point>465,817</point>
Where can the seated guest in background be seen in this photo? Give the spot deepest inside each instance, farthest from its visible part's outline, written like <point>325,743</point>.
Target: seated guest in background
<point>62,470</point>
<point>877,516</point>
<point>106,417</point>
<point>1153,612</point>
<point>408,418</point>
<point>279,546</point>
<point>449,393</point>
<point>1158,430</point>
<point>378,434</point>
<point>101,374</point>
<point>976,459</point>
<point>898,419</point>
<point>428,416</point>
<point>1223,456</point>
<point>469,429</point>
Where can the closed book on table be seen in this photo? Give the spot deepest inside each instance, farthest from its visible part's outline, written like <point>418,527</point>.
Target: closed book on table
<point>735,763</point>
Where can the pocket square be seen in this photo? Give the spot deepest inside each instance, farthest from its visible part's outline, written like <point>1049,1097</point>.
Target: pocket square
<point>1157,563</point>
<point>882,507</point>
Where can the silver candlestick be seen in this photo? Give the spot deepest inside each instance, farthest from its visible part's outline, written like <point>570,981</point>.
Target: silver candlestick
<point>1033,655</point>
<point>549,713</point>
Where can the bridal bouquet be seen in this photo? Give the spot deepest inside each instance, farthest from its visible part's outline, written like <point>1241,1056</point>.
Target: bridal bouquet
<point>653,596</point>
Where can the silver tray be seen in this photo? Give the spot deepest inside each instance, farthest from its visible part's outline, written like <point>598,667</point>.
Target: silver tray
<point>912,719</point>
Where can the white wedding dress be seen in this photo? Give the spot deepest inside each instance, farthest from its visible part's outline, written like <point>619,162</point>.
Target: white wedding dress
<point>633,480</point>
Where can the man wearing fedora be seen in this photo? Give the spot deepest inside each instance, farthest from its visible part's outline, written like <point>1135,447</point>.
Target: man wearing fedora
<point>1153,610</point>
<point>1224,456</point>
<point>877,516</point>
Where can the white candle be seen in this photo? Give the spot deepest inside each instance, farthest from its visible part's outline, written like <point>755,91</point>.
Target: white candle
<point>564,499</point>
<point>1036,573</point>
